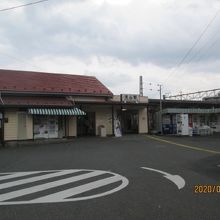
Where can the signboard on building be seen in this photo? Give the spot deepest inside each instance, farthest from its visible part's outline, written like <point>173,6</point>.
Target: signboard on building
<point>130,98</point>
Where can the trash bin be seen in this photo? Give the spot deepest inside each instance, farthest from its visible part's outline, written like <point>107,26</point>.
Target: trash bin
<point>102,131</point>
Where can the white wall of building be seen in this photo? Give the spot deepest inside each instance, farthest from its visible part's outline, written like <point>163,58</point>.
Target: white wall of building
<point>143,122</point>
<point>72,126</point>
<point>104,117</point>
<point>11,125</point>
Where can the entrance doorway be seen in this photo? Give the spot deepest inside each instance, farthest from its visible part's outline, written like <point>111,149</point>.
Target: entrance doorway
<point>129,121</point>
<point>86,124</point>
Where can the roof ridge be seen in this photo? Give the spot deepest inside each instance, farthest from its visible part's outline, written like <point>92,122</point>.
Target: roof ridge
<point>49,73</point>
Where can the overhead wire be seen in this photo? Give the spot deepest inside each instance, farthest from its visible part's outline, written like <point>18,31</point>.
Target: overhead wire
<point>199,54</point>
<point>202,51</point>
<point>205,47</point>
<point>12,8</point>
<point>192,47</point>
<point>23,5</point>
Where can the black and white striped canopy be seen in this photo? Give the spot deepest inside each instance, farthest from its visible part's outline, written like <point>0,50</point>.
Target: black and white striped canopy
<point>56,111</point>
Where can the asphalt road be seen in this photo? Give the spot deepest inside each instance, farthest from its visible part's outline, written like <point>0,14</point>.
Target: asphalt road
<point>148,195</point>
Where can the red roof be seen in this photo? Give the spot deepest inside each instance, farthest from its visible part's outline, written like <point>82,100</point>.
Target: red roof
<point>39,82</point>
<point>36,101</point>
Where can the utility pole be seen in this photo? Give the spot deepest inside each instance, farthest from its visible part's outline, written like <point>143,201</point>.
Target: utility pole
<point>161,107</point>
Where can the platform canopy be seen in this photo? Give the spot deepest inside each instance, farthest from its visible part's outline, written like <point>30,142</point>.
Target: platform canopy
<point>190,111</point>
<point>56,111</point>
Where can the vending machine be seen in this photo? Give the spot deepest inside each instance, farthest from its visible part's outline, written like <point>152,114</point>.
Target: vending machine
<point>182,121</point>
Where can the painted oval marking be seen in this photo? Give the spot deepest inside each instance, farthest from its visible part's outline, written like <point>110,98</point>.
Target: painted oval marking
<point>54,186</point>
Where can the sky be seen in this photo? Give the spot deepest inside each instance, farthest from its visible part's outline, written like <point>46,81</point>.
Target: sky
<point>117,41</point>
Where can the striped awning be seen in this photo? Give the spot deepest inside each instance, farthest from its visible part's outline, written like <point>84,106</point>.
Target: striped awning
<point>56,111</point>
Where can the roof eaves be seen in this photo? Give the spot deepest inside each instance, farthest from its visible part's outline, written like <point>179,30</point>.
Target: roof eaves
<point>10,92</point>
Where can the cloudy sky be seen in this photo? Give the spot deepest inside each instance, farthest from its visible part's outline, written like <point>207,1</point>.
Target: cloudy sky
<point>116,41</point>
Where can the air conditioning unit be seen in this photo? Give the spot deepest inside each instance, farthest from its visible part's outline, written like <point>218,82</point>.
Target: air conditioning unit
<point>130,98</point>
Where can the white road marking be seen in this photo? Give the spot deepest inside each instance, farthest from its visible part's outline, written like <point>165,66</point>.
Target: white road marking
<point>176,179</point>
<point>62,196</point>
<point>21,174</point>
<point>36,178</point>
<point>14,175</point>
<point>77,190</point>
<point>49,185</point>
<point>218,165</point>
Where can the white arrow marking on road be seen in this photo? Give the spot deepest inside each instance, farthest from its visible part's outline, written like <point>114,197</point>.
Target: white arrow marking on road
<point>176,179</point>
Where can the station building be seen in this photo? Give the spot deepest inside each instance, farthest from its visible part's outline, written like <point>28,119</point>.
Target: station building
<point>36,105</point>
